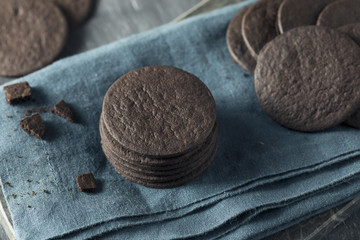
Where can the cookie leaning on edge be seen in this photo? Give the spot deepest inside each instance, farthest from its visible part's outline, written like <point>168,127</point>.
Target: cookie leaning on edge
<point>33,32</point>
<point>340,13</point>
<point>302,83</point>
<point>259,25</point>
<point>296,13</point>
<point>237,48</point>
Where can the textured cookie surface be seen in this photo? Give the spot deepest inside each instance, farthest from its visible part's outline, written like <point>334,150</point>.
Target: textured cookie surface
<point>17,93</point>
<point>174,183</point>
<point>353,31</point>
<point>159,111</point>
<point>238,50</point>
<point>33,33</point>
<point>307,85</point>
<point>340,13</point>
<point>63,110</point>
<point>258,26</point>
<point>150,162</point>
<point>75,10</point>
<point>141,171</point>
<point>33,125</point>
<point>295,13</point>
<point>86,182</point>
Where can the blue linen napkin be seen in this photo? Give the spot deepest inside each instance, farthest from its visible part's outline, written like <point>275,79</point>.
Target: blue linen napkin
<point>280,195</point>
<point>254,224</point>
<point>253,150</point>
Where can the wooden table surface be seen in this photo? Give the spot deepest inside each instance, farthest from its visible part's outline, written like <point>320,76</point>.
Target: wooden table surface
<point>112,20</point>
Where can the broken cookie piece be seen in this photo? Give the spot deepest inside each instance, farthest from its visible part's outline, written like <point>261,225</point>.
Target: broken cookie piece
<point>17,93</point>
<point>63,110</point>
<point>33,125</point>
<point>86,182</point>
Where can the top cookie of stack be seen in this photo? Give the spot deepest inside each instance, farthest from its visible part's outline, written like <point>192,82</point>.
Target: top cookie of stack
<point>33,32</point>
<point>307,78</point>
<point>158,126</point>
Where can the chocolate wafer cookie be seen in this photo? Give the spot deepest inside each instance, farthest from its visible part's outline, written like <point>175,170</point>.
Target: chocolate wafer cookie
<point>295,13</point>
<point>75,11</point>
<point>33,32</point>
<point>258,25</point>
<point>302,83</point>
<point>238,50</point>
<point>340,13</point>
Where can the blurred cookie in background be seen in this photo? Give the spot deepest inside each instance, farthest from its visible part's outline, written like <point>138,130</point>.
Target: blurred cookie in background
<point>33,33</point>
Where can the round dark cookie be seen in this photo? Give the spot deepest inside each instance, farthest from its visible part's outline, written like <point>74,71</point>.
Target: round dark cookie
<point>353,31</point>
<point>258,25</point>
<point>307,85</point>
<point>75,11</point>
<point>176,182</point>
<point>159,111</point>
<point>296,13</point>
<point>340,13</point>
<point>33,32</point>
<point>166,175</point>
<point>151,163</point>
<point>237,48</point>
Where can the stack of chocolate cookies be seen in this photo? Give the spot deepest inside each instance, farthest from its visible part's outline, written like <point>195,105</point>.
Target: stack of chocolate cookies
<point>158,126</point>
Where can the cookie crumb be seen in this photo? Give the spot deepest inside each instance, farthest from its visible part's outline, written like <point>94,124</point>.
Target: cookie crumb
<point>262,143</point>
<point>63,110</point>
<point>9,116</point>
<point>17,93</point>
<point>28,206</point>
<point>13,195</point>
<point>44,191</point>
<point>33,193</point>
<point>28,180</point>
<point>86,182</point>
<point>33,125</point>
<point>245,75</point>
